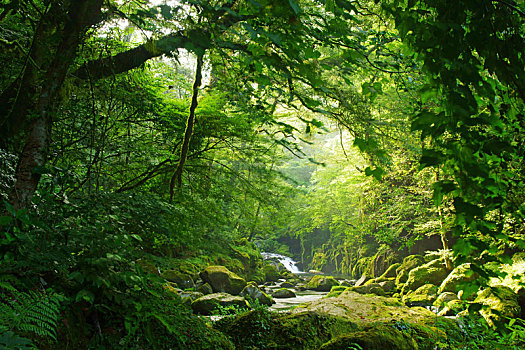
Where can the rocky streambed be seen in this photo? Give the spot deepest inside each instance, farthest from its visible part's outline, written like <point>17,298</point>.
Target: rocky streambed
<point>322,312</point>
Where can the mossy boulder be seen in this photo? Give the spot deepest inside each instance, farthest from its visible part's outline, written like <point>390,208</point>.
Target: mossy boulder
<point>336,291</point>
<point>253,292</point>
<point>444,298</point>
<point>181,279</point>
<point>389,273</point>
<point>374,338</point>
<point>453,307</point>
<point>321,283</point>
<point>207,304</point>
<point>370,311</point>
<point>223,280</point>
<point>389,286</point>
<point>271,274</point>
<point>461,275</point>
<point>429,273</point>
<point>189,296</point>
<point>499,302</point>
<point>423,296</point>
<point>205,289</point>
<point>283,293</point>
<point>372,288</point>
<point>410,262</point>
<point>287,285</point>
<point>259,329</point>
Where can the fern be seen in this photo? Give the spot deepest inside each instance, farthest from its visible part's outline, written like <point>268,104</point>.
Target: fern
<point>31,313</point>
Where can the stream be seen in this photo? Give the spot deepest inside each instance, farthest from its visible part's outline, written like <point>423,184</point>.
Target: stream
<point>302,296</point>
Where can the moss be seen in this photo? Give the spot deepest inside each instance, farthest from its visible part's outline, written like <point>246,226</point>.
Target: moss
<point>271,274</point>
<point>429,273</point>
<point>321,283</point>
<point>375,338</point>
<point>460,276</point>
<point>259,329</point>
<point>336,291</point>
<point>223,280</point>
<point>499,303</point>
<point>423,296</point>
<point>389,273</point>
<point>283,293</point>
<point>410,262</point>
<point>207,304</point>
<point>182,280</point>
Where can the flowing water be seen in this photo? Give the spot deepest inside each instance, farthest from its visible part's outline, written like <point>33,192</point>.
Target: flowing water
<point>287,262</point>
<point>283,304</point>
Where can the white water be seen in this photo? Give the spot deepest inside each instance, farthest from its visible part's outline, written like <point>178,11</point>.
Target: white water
<point>287,262</point>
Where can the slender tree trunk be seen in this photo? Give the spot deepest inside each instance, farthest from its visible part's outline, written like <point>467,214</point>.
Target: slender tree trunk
<point>34,154</point>
<point>443,234</point>
<point>190,123</point>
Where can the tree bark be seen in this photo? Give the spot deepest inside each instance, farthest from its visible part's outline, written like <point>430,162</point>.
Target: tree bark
<point>34,154</point>
<point>177,175</point>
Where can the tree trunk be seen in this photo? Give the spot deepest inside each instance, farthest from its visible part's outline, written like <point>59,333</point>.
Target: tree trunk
<point>33,157</point>
<point>190,123</point>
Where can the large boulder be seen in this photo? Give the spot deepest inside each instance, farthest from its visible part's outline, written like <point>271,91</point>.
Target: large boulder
<point>499,302</point>
<point>389,273</point>
<point>181,279</point>
<point>321,283</point>
<point>271,274</point>
<point>423,296</point>
<point>444,298</point>
<point>253,292</point>
<point>207,304</point>
<point>372,288</point>
<point>433,272</point>
<point>205,289</point>
<point>188,297</point>
<point>409,263</point>
<point>373,337</point>
<point>283,293</point>
<point>223,280</point>
<point>461,275</point>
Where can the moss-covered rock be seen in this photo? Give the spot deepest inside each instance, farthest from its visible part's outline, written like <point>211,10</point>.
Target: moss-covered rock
<point>258,329</point>
<point>499,302</point>
<point>182,280</point>
<point>336,291</point>
<point>453,307</point>
<point>223,280</point>
<point>283,293</point>
<point>253,292</point>
<point>207,304</point>
<point>423,296</point>
<point>205,289</point>
<point>410,262</point>
<point>372,288</point>
<point>188,297</point>
<point>444,298</point>
<point>369,311</point>
<point>321,283</point>
<point>271,274</point>
<point>389,286</point>
<point>429,273</point>
<point>389,273</point>
<point>287,285</point>
<point>374,338</point>
<point>462,274</point>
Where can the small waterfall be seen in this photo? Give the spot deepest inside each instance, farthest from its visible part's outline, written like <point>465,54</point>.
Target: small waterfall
<point>287,262</point>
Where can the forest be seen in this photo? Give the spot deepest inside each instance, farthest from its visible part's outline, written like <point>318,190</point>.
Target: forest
<point>162,161</point>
